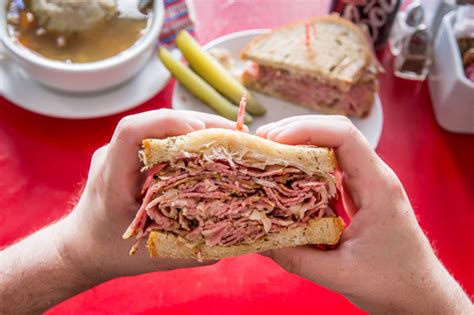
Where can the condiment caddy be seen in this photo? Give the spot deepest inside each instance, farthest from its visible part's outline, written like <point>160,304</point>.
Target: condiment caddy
<point>452,93</point>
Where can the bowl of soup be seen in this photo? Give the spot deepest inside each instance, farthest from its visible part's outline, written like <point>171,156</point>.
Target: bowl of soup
<point>80,46</point>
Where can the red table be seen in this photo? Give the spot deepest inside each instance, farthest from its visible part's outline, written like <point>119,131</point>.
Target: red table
<point>44,160</point>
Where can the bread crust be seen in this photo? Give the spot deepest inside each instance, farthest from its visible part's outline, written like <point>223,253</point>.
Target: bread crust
<point>312,160</point>
<point>343,84</point>
<point>319,231</point>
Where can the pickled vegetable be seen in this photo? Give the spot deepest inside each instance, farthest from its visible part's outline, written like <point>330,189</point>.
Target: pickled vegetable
<point>214,73</point>
<point>199,88</point>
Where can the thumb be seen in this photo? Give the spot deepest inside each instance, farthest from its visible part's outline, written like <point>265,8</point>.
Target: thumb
<point>320,266</point>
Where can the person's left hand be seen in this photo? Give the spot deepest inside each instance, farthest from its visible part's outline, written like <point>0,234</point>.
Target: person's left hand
<point>93,241</point>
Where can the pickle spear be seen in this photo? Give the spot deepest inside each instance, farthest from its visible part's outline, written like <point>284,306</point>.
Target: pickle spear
<point>199,88</point>
<point>214,73</point>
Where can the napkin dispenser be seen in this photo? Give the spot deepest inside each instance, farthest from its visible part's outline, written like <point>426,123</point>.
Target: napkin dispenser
<point>452,93</point>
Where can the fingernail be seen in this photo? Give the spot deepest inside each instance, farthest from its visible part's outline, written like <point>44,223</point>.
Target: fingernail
<point>272,134</point>
<point>196,124</point>
<point>261,131</point>
<point>246,129</point>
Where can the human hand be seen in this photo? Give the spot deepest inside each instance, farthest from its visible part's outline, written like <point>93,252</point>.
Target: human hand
<point>112,196</point>
<point>384,263</point>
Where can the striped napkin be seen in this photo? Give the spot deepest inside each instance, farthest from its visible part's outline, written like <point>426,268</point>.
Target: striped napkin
<point>178,16</point>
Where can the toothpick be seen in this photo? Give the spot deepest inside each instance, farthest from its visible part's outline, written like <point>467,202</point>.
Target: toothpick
<point>241,116</point>
<point>307,38</point>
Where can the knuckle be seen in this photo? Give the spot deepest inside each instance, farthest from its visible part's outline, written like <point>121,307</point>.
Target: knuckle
<point>390,177</point>
<point>343,119</point>
<point>352,131</point>
<point>98,159</point>
<point>167,116</point>
<point>99,152</point>
<point>166,112</point>
<point>393,183</point>
<point>96,174</point>
<point>291,263</point>
<point>268,253</point>
<point>124,127</point>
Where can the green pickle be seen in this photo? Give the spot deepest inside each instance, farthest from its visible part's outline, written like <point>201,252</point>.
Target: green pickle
<point>214,73</point>
<point>200,88</point>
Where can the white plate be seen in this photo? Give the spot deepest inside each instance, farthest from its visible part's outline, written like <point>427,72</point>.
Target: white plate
<point>19,88</point>
<point>277,109</point>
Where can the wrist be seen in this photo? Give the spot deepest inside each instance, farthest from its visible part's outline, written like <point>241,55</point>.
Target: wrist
<point>41,271</point>
<point>447,296</point>
<point>430,290</point>
<point>77,252</point>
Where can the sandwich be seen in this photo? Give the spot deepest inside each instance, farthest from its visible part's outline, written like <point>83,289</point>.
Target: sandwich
<point>324,63</point>
<point>218,193</point>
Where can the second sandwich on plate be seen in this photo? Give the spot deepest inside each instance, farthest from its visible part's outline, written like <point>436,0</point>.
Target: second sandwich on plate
<point>324,63</point>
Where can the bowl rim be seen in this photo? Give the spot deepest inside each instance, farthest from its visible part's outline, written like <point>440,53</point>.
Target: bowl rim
<point>130,53</point>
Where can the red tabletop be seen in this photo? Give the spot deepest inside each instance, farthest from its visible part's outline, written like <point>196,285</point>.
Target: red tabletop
<point>43,162</point>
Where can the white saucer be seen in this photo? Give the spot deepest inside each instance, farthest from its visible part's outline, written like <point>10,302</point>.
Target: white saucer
<point>371,126</point>
<point>17,87</point>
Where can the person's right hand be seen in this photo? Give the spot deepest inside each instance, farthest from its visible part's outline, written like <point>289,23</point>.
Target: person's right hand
<point>384,263</point>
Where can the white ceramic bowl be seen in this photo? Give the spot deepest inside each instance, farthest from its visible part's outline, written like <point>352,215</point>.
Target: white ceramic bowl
<point>85,77</point>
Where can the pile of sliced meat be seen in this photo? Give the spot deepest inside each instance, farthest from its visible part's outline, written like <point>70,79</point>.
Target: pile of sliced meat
<point>308,90</point>
<point>224,202</point>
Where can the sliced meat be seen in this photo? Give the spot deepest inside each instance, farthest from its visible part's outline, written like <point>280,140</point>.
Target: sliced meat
<point>310,92</point>
<point>216,232</point>
<point>151,173</point>
<point>223,202</point>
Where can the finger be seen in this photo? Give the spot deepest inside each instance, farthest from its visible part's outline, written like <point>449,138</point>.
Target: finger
<point>144,125</point>
<point>262,131</point>
<point>126,141</point>
<point>352,148</point>
<point>212,121</point>
<point>122,171</point>
<point>359,162</point>
<point>131,130</point>
<point>347,202</point>
<point>309,262</point>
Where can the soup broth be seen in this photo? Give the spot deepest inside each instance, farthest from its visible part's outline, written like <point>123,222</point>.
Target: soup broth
<point>104,40</point>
